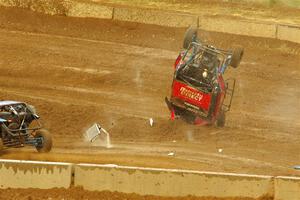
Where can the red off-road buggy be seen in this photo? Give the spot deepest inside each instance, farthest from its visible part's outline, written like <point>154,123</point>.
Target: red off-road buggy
<point>200,95</point>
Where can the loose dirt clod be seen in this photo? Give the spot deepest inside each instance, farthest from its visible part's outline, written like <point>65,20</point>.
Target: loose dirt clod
<point>151,121</point>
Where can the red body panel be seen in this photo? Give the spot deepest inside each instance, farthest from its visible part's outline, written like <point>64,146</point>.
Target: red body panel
<point>177,61</point>
<point>191,95</point>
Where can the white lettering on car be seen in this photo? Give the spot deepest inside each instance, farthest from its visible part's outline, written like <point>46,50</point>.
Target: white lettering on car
<point>191,94</point>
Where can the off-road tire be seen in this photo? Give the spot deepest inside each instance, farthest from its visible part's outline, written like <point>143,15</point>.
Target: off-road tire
<point>47,141</point>
<point>1,144</point>
<point>190,35</point>
<point>221,119</point>
<point>237,56</point>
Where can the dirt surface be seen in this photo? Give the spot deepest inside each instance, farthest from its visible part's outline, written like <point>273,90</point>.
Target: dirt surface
<point>79,193</point>
<point>80,71</point>
<point>241,10</point>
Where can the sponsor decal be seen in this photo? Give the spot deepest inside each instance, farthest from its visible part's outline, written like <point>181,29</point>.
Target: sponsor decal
<point>191,94</point>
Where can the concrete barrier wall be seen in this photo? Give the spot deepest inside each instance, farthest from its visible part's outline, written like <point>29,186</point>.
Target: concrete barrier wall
<point>31,174</point>
<point>51,7</point>
<point>88,9</point>
<point>145,181</point>
<point>289,33</point>
<point>287,188</point>
<point>157,17</point>
<point>291,3</point>
<point>162,182</point>
<point>235,26</point>
<point>72,8</point>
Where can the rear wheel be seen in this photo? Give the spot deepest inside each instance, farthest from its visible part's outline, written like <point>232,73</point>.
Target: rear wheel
<point>46,141</point>
<point>221,119</point>
<point>1,144</point>
<point>189,36</point>
<point>237,56</point>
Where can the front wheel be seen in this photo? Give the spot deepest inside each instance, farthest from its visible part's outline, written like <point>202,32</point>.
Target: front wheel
<point>191,35</point>
<point>237,56</point>
<point>45,142</point>
<point>1,144</point>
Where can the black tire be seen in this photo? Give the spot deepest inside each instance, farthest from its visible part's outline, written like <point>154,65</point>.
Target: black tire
<point>190,35</point>
<point>237,56</point>
<point>1,144</point>
<point>221,119</point>
<point>47,141</point>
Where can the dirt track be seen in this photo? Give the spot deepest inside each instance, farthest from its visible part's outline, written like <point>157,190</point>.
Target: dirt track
<point>79,193</point>
<point>80,71</point>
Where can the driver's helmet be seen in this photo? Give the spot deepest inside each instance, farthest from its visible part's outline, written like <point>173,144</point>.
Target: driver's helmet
<point>6,108</point>
<point>209,59</point>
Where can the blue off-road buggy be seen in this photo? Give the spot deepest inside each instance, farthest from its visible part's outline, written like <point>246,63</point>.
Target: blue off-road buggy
<point>20,126</point>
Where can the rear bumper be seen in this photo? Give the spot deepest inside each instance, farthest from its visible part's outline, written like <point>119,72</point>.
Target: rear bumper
<point>181,107</point>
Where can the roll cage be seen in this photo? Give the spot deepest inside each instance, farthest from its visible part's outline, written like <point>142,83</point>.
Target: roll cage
<point>198,59</point>
<point>22,112</point>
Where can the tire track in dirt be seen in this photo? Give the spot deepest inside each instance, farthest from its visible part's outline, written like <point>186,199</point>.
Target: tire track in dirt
<point>142,51</point>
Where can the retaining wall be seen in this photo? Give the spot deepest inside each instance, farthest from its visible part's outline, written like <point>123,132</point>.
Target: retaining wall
<point>235,26</point>
<point>87,9</point>
<point>291,3</point>
<point>287,188</point>
<point>289,33</point>
<point>51,7</point>
<point>174,183</point>
<point>157,17</point>
<point>32,174</point>
<point>77,8</point>
<point>145,181</point>
<point>72,8</point>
